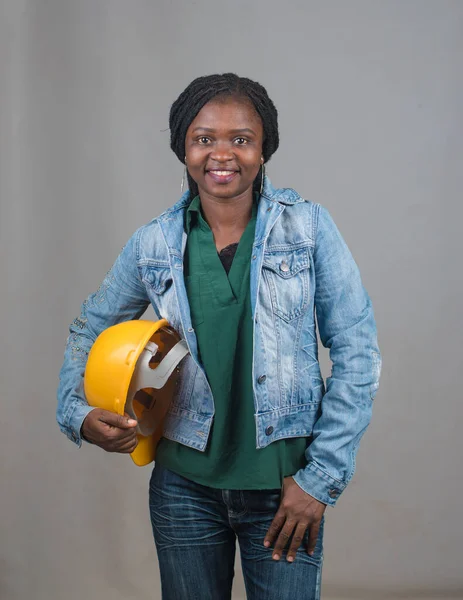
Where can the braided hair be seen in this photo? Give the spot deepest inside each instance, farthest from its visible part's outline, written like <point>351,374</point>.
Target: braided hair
<point>200,92</point>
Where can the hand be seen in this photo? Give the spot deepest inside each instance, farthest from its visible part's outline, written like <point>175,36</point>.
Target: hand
<point>110,431</point>
<point>297,512</point>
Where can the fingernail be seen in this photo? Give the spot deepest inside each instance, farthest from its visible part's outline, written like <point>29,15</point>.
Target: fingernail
<point>131,422</point>
<point>276,557</point>
<point>311,553</point>
<point>290,558</point>
<point>266,544</point>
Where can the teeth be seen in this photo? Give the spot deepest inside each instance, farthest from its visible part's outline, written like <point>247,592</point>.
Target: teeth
<point>223,172</point>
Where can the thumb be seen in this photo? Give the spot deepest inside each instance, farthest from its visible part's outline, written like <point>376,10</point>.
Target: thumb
<point>120,421</point>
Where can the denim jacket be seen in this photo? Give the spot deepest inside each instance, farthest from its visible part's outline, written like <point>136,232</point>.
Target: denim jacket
<point>300,266</point>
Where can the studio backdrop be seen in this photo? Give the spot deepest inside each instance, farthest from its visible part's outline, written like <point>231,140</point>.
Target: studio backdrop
<point>370,97</point>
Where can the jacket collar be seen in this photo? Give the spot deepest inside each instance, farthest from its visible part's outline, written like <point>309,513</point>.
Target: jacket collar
<point>172,221</point>
<point>284,196</point>
<point>281,195</point>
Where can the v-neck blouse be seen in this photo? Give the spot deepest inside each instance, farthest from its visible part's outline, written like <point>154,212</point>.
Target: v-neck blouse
<point>221,315</point>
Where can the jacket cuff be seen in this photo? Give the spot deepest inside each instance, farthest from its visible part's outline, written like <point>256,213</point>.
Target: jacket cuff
<point>74,422</point>
<point>319,484</point>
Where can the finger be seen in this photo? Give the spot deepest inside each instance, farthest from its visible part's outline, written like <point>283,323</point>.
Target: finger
<point>118,445</point>
<point>296,541</point>
<point>127,447</point>
<point>283,539</point>
<point>115,434</point>
<point>120,421</point>
<point>274,529</point>
<point>108,436</point>
<point>313,536</point>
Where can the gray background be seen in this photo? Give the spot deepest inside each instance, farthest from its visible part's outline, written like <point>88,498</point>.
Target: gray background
<point>370,95</point>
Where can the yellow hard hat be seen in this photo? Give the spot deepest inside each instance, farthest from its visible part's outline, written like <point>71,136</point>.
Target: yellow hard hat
<point>130,369</point>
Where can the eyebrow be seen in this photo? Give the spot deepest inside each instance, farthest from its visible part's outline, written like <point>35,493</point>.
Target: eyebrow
<point>235,131</point>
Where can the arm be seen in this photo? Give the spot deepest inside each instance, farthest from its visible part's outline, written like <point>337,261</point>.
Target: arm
<point>347,327</point>
<point>121,296</point>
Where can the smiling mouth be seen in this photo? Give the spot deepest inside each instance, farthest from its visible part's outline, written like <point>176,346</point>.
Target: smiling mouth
<point>222,175</point>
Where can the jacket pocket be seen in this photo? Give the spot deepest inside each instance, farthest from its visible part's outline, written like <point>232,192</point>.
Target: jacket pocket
<point>158,282</point>
<point>159,279</point>
<point>286,275</point>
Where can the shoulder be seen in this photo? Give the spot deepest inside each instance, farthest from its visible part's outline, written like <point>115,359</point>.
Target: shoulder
<point>153,229</point>
<point>297,212</point>
<point>175,211</point>
<point>289,197</point>
<point>292,199</point>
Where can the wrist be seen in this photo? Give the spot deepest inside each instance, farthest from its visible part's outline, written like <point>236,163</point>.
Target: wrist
<point>82,432</point>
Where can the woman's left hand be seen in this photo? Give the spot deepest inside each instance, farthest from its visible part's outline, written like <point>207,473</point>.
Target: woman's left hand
<point>298,511</point>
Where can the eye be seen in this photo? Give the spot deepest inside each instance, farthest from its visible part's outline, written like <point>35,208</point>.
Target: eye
<point>204,140</point>
<point>241,141</point>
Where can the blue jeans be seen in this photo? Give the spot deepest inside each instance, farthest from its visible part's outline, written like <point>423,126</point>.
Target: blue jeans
<point>195,529</point>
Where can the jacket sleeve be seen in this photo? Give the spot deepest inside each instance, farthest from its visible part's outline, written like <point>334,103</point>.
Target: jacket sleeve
<point>121,297</point>
<point>347,327</point>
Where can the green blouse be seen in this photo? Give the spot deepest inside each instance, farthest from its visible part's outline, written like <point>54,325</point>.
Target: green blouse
<point>221,314</point>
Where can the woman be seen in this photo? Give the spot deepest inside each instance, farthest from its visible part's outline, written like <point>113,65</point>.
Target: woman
<point>254,447</point>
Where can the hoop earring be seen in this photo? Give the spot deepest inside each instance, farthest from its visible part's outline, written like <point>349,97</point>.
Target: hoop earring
<point>184,176</point>
<point>262,180</point>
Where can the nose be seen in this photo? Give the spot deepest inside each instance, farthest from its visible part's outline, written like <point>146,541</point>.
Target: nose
<point>222,152</point>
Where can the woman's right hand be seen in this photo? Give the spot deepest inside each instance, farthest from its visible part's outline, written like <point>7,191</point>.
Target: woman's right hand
<point>110,431</point>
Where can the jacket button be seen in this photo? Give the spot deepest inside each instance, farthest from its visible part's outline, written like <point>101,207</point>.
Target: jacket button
<point>284,266</point>
<point>333,493</point>
<point>269,430</point>
<point>262,378</point>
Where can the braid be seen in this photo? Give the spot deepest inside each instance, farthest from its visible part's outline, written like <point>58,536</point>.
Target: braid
<point>201,91</point>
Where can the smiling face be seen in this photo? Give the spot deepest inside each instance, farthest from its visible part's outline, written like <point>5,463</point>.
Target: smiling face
<point>223,148</point>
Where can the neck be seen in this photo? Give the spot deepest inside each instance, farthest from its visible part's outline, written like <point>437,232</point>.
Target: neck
<point>228,217</point>
<point>229,214</point>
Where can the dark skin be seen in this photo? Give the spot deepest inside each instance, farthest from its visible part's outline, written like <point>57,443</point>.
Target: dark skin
<point>223,148</point>
<point>298,512</point>
<point>225,137</point>
<point>110,431</point>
